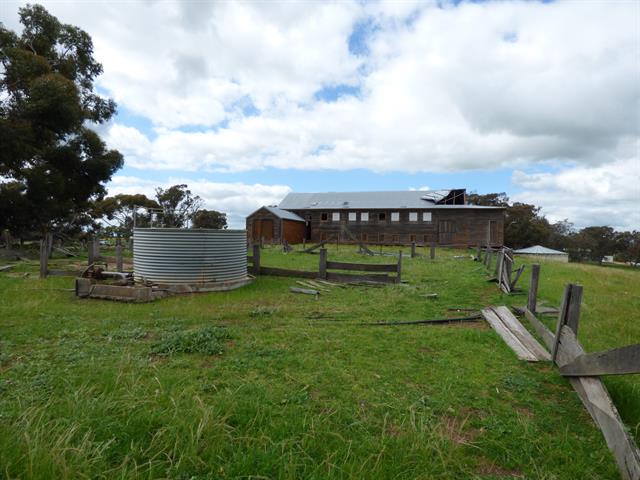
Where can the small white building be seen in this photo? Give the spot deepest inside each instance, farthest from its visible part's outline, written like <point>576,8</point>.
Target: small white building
<point>538,252</point>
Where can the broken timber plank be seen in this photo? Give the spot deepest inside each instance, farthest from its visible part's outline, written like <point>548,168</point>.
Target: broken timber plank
<point>522,334</point>
<point>304,290</point>
<point>540,328</point>
<point>510,339</point>
<point>316,246</point>
<point>6,267</point>
<point>596,399</point>
<point>619,361</point>
<point>471,318</point>
<point>515,280</point>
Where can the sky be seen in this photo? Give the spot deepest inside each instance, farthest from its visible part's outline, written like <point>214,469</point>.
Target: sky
<point>246,101</point>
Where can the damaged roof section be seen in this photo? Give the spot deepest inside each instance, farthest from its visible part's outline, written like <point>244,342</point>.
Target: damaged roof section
<point>451,198</point>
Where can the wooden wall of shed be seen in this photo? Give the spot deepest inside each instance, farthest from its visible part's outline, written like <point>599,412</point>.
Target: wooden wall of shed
<point>293,231</point>
<point>471,226</point>
<point>264,214</point>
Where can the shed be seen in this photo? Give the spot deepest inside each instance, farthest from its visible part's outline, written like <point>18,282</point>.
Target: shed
<point>273,225</point>
<point>538,252</point>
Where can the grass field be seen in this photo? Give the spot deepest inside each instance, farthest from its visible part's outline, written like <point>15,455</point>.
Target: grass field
<point>263,383</point>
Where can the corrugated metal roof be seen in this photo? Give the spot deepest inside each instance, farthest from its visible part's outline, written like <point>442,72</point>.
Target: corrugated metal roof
<point>283,214</point>
<point>363,200</point>
<point>540,250</point>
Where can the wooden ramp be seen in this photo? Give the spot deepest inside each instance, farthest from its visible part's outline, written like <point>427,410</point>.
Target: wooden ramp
<point>525,346</point>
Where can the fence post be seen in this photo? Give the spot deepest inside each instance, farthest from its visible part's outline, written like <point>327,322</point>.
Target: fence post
<point>569,313</point>
<point>322,269</point>
<point>119,266</point>
<point>90,252</point>
<point>256,260</point>
<point>533,288</point>
<point>487,258</point>
<point>399,268</point>
<point>573,310</point>
<point>44,257</point>
<point>433,251</point>
<point>508,263</point>
<point>498,273</point>
<point>479,253</point>
<point>413,249</point>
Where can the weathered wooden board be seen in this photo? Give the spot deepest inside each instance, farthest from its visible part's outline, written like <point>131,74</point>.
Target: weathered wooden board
<point>619,361</point>
<point>362,267</point>
<point>510,339</point>
<point>517,277</point>
<point>304,290</point>
<point>345,277</point>
<point>540,328</point>
<point>596,399</point>
<point>528,340</point>
<point>4,268</point>
<point>283,272</point>
<point>316,246</point>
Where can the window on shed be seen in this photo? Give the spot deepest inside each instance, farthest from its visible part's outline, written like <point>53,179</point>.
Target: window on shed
<point>395,216</point>
<point>382,216</point>
<point>413,216</point>
<point>352,216</point>
<point>426,216</point>
<point>335,216</point>
<point>324,216</point>
<point>364,216</point>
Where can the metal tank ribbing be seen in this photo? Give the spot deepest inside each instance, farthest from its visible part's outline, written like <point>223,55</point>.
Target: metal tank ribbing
<point>189,256</point>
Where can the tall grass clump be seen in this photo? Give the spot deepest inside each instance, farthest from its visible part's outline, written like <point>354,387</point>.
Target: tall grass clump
<point>207,340</point>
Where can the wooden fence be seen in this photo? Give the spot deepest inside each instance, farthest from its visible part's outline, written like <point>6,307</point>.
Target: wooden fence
<point>325,266</point>
<point>584,370</point>
<point>504,274</point>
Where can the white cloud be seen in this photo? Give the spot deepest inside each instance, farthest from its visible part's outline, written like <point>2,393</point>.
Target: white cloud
<point>237,200</point>
<point>604,195</point>
<point>471,87</point>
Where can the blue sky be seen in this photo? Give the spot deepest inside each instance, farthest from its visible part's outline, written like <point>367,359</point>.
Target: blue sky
<point>247,101</point>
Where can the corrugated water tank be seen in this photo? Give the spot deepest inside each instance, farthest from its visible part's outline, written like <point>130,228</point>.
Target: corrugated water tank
<point>189,256</point>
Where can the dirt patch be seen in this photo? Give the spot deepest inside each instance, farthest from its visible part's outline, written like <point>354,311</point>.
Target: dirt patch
<point>490,469</point>
<point>524,412</point>
<point>457,431</point>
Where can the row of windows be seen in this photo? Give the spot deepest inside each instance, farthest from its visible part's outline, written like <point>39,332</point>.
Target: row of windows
<point>382,216</point>
<point>384,237</point>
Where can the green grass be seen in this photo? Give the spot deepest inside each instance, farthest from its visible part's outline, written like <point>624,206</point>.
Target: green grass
<point>263,383</point>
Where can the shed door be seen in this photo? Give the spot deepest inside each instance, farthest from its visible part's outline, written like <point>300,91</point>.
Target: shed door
<point>446,229</point>
<point>493,232</point>
<point>262,229</point>
<point>267,230</point>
